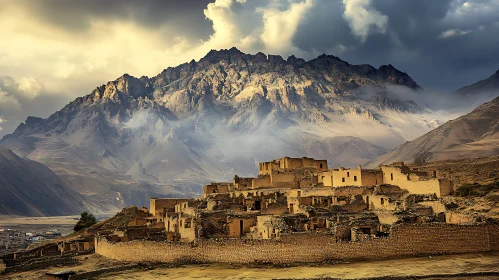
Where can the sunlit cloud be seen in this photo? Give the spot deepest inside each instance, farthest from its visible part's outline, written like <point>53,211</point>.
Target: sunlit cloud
<point>454,33</point>
<point>363,18</point>
<point>63,49</point>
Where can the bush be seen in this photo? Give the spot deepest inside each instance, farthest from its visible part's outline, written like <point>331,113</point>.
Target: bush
<point>86,220</point>
<point>451,205</point>
<point>422,158</point>
<point>476,189</point>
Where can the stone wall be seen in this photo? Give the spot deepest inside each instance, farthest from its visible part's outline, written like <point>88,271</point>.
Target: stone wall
<point>42,263</point>
<point>157,204</point>
<point>261,181</point>
<point>405,240</point>
<point>346,177</point>
<point>234,226</point>
<point>494,237</point>
<point>394,176</point>
<point>458,218</point>
<point>286,179</point>
<point>371,177</point>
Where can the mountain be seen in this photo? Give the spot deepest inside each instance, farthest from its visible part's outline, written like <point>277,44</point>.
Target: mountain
<point>490,84</point>
<point>29,188</point>
<point>204,121</point>
<point>473,135</point>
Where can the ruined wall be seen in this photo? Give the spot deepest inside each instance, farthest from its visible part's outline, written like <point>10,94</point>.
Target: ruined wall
<point>157,204</point>
<point>275,209</point>
<point>346,177</point>
<point>215,188</point>
<point>310,192</point>
<point>262,181</point>
<point>386,217</point>
<point>258,192</point>
<point>349,191</point>
<point>326,178</point>
<point>493,231</point>
<point>264,168</point>
<point>380,202</point>
<point>446,186</point>
<point>307,181</point>
<point>243,183</point>
<point>371,177</point>
<point>187,229</point>
<point>405,240</point>
<point>268,227</point>
<point>283,180</point>
<point>321,164</point>
<point>437,206</point>
<point>295,163</point>
<point>292,163</point>
<point>458,218</point>
<point>234,226</point>
<point>393,176</point>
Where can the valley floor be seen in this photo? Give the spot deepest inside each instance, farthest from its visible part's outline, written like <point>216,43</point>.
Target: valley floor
<point>420,266</point>
<point>52,220</point>
<point>453,264</point>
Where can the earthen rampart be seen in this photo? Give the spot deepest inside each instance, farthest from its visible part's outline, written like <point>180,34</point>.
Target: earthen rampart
<point>404,240</point>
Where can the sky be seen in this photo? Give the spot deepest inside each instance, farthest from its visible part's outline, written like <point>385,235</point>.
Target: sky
<point>53,51</point>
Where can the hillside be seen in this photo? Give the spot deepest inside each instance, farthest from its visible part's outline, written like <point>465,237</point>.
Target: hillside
<point>29,188</point>
<point>491,84</point>
<point>473,135</point>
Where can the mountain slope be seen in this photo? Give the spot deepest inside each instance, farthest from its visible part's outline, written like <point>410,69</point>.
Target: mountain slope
<point>29,188</point>
<point>473,135</point>
<point>490,84</point>
<point>204,121</point>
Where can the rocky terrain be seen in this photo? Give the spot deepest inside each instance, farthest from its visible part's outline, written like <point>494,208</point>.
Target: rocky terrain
<point>29,188</point>
<point>203,121</point>
<point>476,184</point>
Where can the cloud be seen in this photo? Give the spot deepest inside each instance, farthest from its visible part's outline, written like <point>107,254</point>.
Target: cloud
<point>363,18</point>
<point>462,8</point>
<point>453,33</point>
<point>14,92</point>
<point>24,97</point>
<point>70,47</point>
<point>2,120</point>
<point>280,26</point>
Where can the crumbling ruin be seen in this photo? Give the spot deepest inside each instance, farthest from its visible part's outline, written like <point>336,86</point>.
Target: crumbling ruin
<point>299,200</point>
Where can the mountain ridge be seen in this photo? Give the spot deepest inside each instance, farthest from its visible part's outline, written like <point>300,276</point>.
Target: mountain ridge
<point>203,121</point>
<point>489,84</point>
<point>475,134</point>
<point>29,188</point>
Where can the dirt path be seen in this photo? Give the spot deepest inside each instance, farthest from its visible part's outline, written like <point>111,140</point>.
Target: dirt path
<point>402,267</point>
<point>88,263</point>
<point>453,264</point>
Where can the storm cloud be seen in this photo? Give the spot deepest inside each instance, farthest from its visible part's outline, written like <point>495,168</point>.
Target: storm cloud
<point>57,50</point>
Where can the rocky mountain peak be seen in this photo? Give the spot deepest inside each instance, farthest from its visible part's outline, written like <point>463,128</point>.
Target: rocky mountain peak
<point>296,62</point>
<point>31,120</point>
<point>395,76</point>
<point>224,55</point>
<point>124,89</point>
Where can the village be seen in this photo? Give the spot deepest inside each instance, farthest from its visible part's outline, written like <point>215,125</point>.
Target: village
<point>296,210</point>
<point>292,195</point>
